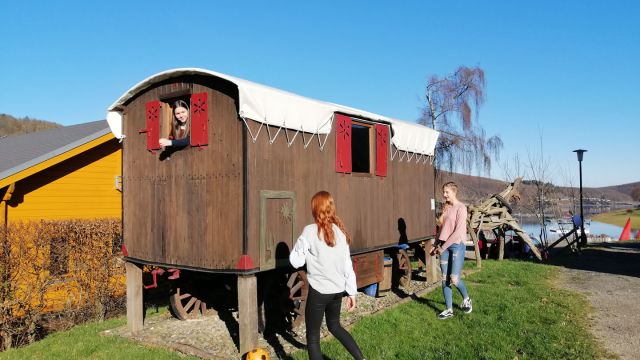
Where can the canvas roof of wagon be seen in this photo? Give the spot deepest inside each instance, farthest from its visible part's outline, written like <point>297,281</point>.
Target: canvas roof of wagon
<point>26,154</point>
<point>286,110</point>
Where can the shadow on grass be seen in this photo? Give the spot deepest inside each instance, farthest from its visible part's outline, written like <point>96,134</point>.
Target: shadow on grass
<point>620,258</point>
<point>429,302</point>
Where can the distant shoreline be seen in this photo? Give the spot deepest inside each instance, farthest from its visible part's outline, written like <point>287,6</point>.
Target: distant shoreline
<point>619,217</point>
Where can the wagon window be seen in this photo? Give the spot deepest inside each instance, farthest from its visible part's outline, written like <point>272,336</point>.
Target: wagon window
<point>197,125</point>
<point>360,148</point>
<point>354,145</point>
<point>167,115</point>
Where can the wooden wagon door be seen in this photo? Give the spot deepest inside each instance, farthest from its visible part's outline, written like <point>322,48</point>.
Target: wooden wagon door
<point>277,226</point>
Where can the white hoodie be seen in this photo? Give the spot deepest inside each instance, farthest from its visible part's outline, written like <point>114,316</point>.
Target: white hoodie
<point>329,269</point>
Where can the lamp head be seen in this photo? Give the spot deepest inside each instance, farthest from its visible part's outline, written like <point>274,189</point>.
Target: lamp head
<point>580,152</point>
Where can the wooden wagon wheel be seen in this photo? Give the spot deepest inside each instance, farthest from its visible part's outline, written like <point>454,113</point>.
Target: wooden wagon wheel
<point>403,267</point>
<point>298,290</point>
<point>185,305</point>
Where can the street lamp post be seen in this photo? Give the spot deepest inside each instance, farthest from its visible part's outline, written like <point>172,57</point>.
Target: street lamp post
<point>583,236</point>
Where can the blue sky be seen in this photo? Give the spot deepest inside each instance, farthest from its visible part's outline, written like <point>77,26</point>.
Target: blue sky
<point>564,72</point>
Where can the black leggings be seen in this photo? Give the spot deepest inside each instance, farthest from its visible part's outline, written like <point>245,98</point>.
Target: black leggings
<point>317,306</point>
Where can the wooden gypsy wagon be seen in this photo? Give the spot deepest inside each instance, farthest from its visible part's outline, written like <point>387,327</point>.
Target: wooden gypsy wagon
<point>235,201</point>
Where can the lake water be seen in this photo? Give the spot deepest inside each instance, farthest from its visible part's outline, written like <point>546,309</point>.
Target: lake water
<point>595,229</point>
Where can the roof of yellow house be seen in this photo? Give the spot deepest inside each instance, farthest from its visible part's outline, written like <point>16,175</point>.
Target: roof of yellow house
<point>24,155</point>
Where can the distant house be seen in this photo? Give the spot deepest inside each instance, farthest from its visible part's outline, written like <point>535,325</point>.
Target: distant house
<point>66,173</point>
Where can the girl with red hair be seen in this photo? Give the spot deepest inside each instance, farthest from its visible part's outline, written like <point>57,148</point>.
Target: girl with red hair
<point>324,247</point>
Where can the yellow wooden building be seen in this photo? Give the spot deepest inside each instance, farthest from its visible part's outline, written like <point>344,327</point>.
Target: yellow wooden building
<point>68,173</point>
<point>71,172</point>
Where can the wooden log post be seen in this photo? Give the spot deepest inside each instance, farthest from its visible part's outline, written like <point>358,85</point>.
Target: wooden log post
<point>431,263</point>
<point>135,309</point>
<point>501,239</point>
<point>248,312</point>
<point>476,247</point>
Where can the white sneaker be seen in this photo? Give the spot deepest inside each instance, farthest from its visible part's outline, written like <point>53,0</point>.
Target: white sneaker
<point>445,314</point>
<point>466,305</point>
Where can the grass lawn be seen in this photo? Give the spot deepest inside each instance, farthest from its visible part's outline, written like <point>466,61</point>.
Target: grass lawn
<point>85,342</point>
<point>619,217</point>
<point>518,314</point>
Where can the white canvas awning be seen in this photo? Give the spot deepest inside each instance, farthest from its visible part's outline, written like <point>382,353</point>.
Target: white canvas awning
<point>286,110</point>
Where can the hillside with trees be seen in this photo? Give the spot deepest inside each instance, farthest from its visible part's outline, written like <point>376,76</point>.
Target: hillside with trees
<point>475,188</point>
<point>10,125</point>
<point>631,189</point>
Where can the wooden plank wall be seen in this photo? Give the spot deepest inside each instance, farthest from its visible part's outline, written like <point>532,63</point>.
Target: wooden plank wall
<point>370,206</point>
<point>185,211</point>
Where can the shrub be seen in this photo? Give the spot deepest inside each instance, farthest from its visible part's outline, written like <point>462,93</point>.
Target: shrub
<point>54,272</point>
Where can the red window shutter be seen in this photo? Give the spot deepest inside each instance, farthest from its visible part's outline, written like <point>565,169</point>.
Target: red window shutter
<point>199,119</point>
<point>343,143</point>
<point>153,125</point>
<point>382,146</point>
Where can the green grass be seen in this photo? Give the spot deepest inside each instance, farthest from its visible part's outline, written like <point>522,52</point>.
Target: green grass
<point>619,217</point>
<point>85,342</point>
<point>518,313</point>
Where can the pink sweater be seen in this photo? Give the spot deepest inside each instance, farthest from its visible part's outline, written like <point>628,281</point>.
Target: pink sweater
<point>454,225</point>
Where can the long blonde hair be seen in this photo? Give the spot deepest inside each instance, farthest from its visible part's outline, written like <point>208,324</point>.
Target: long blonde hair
<point>180,130</point>
<point>324,214</point>
<point>453,187</point>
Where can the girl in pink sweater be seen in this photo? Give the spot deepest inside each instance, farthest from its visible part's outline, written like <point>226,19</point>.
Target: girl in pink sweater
<point>451,248</point>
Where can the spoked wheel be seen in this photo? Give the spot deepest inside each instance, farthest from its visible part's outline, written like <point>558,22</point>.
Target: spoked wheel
<point>298,288</point>
<point>186,306</point>
<point>403,268</point>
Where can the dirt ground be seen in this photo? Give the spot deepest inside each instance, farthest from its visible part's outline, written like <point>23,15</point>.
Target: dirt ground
<point>609,275</point>
<point>196,337</point>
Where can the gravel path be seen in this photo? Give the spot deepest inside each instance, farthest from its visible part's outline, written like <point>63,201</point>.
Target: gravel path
<point>609,275</point>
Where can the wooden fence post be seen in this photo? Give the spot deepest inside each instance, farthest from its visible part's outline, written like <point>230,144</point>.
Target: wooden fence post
<point>248,312</point>
<point>135,309</point>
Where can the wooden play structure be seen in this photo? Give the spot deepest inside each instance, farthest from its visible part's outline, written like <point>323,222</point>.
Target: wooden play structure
<point>494,215</point>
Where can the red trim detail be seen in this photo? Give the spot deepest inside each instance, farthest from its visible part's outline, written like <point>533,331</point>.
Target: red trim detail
<point>175,274</point>
<point>382,146</point>
<point>343,143</point>
<point>245,263</point>
<point>199,119</point>
<point>153,125</point>
<point>155,273</point>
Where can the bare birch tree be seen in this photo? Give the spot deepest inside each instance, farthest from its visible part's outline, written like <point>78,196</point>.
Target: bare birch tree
<point>539,175</point>
<point>452,104</point>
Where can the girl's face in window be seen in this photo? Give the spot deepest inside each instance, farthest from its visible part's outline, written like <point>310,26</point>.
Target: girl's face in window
<point>181,114</point>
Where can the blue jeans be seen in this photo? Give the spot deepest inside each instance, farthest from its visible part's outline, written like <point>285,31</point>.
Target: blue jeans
<point>451,262</point>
